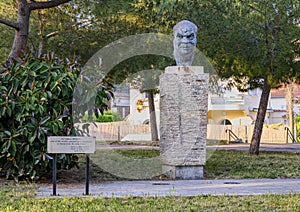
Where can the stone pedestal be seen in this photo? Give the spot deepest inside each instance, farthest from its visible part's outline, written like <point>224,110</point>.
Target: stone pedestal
<point>183,121</point>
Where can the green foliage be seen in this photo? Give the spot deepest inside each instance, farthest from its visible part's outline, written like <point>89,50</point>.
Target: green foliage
<point>274,126</point>
<point>7,11</point>
<point>259,38</point>
<point>36,97</point>
<point>35,102</point>
<point>244,39</point>
<point>109,116</point>
<point>63,29</point>
<point>298,128</point>
<point>104,118</point>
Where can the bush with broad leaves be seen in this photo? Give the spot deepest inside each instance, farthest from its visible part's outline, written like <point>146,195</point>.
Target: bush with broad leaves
<point>35,102</point>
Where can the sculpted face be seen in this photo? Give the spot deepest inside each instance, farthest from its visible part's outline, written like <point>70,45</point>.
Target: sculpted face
<point>185,40</point>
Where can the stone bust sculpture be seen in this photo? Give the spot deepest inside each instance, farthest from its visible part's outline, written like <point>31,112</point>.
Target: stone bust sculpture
<point>185,39</point>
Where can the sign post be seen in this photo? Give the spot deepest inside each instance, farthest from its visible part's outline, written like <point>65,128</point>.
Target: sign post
<point>54,175</point>
<point>87,175</point>
<point>71,145</point>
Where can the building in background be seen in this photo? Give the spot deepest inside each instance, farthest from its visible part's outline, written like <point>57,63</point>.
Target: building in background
<point>121,101</point>
<point>230,108</point>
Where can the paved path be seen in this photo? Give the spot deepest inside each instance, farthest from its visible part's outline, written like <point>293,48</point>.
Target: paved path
<point>180,188</point>
<point>186,187</point>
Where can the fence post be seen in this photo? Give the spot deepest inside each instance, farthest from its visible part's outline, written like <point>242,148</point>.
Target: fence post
<point>246,134</point>
<point>119,134</point>
<point>228,131</point>
<point>287,135</point>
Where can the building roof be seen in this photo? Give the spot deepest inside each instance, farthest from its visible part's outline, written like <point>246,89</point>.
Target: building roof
<point>281,92</point>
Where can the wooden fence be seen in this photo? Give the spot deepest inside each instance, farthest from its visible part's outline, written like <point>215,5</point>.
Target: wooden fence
<point>269,135</point>
<point>113,131</point>
<point>118,130</point>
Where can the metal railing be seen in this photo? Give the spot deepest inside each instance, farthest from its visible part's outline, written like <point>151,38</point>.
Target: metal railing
<point>232,136</point>
<point>289,135</point>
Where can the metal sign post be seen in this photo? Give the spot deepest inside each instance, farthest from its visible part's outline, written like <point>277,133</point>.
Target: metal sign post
<point>87,175</point>
<point>71,145</point>
<point>54,175</point>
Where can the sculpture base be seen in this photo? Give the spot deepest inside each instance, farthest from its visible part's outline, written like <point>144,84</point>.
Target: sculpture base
<point>183,172</point>
<point>183,121</point>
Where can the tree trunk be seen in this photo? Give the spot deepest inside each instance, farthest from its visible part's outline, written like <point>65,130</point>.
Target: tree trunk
<point>21,35</point>
<point>22,25</point>
<point>41,31</point>
<point>290,107</point>
<point>261,113</point>
<point>153,125</point>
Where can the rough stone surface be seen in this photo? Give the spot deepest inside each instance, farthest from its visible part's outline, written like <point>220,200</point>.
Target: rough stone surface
<point>183,172</point>
<point>183,118</point>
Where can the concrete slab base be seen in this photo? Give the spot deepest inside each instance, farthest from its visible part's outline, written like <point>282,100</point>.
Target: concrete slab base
<point>183,172</point>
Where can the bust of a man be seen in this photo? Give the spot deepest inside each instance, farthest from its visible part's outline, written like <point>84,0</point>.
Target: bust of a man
<point>185,40</point>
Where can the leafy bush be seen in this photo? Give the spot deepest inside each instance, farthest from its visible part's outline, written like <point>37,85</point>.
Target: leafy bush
<point>106,116</point>
<point>298,128</point>
<point>276,126</point>
<point>35,102</point>
<point>109,116</point>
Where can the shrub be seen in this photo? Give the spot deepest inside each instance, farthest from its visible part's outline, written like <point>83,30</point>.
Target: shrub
<point>109,116</point>
<point>276,126</point>
<point>298,128</point>
<point>35,102</point>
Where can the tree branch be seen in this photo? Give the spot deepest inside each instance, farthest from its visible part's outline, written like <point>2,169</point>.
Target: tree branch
<point>52,34</point>
<point>45,5</point>
<point>255,9</point>
<point>10,23</point>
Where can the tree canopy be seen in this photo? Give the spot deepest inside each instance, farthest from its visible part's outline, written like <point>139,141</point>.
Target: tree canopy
<point>253,42</point>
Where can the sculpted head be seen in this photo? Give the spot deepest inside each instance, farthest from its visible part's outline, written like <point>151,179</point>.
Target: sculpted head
<point>185,39</point>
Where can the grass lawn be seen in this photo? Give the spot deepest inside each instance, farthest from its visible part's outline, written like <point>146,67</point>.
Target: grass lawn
<point>220,165</point>
<point>224,164</point>
<point>17,201</point>
<point>241,165</point>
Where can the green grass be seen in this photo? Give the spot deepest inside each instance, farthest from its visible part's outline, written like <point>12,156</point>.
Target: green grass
<point>171,203</point>
<point>221,165</point>
<point>241,165</point>
<point>210,142</point>
<point>10,191</point>
<point>127,164</point>
<point>139,154</point>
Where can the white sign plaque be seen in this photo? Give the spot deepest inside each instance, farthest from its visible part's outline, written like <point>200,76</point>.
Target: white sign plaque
<point>71,144</point>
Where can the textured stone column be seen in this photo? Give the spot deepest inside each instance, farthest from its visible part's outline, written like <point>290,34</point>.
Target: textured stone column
<point>183,121</point>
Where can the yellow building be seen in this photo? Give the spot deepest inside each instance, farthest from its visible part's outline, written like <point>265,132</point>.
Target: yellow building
<point>231,108</point>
